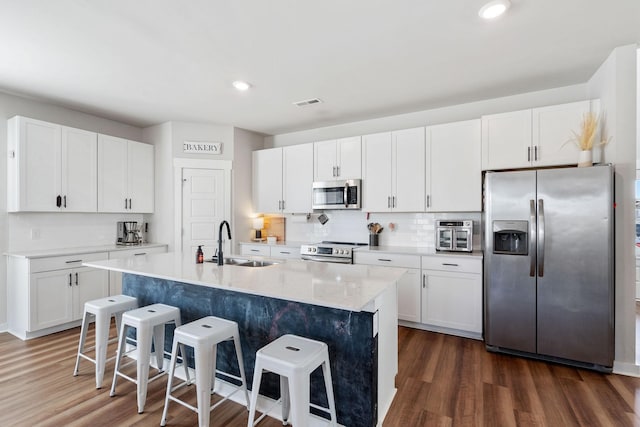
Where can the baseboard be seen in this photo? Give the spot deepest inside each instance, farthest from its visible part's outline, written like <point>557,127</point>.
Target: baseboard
<point>628,369</point>
<point>4,327</point>
<point>442,330</point>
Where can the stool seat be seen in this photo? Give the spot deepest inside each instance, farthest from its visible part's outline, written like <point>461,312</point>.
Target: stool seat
<point>294,358</point>
<point>101,311</point>
<point>149,322</point>
<point>204,335</point>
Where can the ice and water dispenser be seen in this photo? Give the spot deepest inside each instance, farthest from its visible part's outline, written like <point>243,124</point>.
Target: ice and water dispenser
<point>510,237</point>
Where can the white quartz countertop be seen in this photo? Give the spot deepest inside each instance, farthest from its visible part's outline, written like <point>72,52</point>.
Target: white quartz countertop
<point>342,286</point>
<point>408,250</point>
<point>44,253</point>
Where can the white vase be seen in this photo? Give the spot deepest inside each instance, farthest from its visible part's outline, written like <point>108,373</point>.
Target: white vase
<point>585,159</point>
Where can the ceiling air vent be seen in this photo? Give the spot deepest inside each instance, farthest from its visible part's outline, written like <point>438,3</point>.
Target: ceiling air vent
<point>308,102</point>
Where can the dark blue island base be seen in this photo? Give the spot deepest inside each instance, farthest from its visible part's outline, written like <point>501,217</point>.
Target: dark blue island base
<point>352,347</point>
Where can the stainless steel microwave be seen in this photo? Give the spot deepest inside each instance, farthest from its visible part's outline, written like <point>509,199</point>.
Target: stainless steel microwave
<point>337,194</point>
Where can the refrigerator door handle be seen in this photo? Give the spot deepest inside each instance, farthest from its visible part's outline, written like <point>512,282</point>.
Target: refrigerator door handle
<point>541,238</point>
<point>532,238</point>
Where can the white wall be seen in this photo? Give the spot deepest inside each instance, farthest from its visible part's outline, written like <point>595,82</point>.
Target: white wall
<point>245,142</point>
<point>431,117</point>
<point>55,229</point>
<point>615,84</point>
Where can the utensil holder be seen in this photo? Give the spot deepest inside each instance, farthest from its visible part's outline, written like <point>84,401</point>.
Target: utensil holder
<point>373,240</point>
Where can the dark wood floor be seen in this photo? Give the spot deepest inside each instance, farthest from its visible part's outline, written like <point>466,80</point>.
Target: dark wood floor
<point>442,381</point>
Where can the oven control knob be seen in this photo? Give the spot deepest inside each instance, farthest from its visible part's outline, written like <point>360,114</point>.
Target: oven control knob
<point>346,251</point>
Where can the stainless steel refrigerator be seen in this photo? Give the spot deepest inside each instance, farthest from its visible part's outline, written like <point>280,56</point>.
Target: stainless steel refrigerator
<point>549,264</point>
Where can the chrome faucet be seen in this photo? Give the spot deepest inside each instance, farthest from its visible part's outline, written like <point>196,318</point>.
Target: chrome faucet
<point>220,256</point>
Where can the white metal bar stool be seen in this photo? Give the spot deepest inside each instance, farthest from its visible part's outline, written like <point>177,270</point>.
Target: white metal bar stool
<point>204,335</point>
<point>100,311</point>
<point>149,322</point>
<point>294,358</point>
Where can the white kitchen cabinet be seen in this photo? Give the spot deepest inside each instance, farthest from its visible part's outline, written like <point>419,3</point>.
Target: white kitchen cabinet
<point>409,290</point>
<point>273,251</point>
<point>48,294</point>
<point>255,249</point>
<point>454,178</point>
<point>281,251</point>
<point>394,171</point>
<point>50,167</point>
<point>337,159</point>
<point>115,277</point>
<point>283,179</point>
<point>452,294</point>
<point>533,137</point>
<point>125,175</point>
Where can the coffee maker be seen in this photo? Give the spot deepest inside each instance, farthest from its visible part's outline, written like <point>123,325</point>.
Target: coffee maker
<point>128,233</point>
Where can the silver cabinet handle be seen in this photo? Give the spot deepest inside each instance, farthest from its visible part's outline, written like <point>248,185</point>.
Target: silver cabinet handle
<point>428,201</point>
<point>337,170</point>
<point>532,238</point>
<point>541,238</point>
<point>535,153</point>
<point>283,204</point>
<point>64,201</point>
<point>384,259</point>
<point>129,203</point>
<point>388,201</point>
<point>125,203</point>
<point>141,253</point>
<point>393,201</point>
<point>254,250</point>
<point>284,252</point>
<point>424,281</point>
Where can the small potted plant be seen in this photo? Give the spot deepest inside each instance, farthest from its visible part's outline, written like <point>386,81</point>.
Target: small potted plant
<point>585,137</point>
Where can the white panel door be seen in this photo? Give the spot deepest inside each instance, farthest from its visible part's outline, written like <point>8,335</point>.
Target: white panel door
<point>112,174</point>
<point>376,176</point>
<point>409,296</point>
<point>40,163</point>
<point>409,170</point>
<point>79,170</point>
<point>50,299</point>
<point>349,158</point>
<point>88,284</point>
<point>202,210</point>
<point>456,178</point>
<point>140,177</point>
<point>297,178</point>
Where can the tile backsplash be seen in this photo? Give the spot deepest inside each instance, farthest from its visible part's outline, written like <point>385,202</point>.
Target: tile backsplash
<point>411,229</point>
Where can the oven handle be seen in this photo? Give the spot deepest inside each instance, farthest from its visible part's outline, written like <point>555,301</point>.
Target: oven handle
<point>327,259</point>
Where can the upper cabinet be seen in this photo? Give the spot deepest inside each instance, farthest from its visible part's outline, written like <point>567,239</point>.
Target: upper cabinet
<point>534,137</point>
<point>282,179</point>
<point>125,175</point>
<point>394,171</point>
<point>51,167</point>
<point>454,179</point>
<point>337,159</point>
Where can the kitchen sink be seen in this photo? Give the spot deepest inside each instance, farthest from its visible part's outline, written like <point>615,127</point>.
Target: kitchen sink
<point>243,262</point>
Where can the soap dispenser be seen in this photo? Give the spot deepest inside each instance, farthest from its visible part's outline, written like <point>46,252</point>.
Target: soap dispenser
<point>199,255</point>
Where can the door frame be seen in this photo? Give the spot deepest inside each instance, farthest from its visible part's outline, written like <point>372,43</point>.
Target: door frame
<point>178,166</point>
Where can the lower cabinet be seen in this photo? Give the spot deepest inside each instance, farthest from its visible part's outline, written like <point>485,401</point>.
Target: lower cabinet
<point>115,277</point>
<point>45,294</point>
<point>273,251</point>
<point>437,293</point>
<point>452,293</point>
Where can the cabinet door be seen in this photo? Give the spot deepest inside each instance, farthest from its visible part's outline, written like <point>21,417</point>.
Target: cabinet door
<point>112,174</point>
<point>79,170</point>
<point>409,170</point>
<point>506,140</point>
<point>88,284</point>
<point>409,296</point>
<point>140,177</point>
<point>376,176</point>
<point>297,178</point>
<point>39,173</point>
<point>267,180</point>
<point>452,300</point>
<point>324,161</point>
<point>349,158</point>
<point>50,299</point>
<point>552,133</point>
<point>456,178</point>
<point>257,249</point>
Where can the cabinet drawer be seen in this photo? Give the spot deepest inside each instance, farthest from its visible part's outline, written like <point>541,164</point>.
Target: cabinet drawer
<point>285,252</point>
<point>471,265</point>
<point>386,259</point>
<point>67,261</point>
<point>263,250</point>
<point>136,252</point>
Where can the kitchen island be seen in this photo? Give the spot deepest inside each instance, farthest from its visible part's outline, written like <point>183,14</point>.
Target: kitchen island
<point>352,308</point>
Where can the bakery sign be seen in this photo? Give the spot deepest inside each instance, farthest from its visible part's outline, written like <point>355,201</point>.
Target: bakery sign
<point>197,147</point>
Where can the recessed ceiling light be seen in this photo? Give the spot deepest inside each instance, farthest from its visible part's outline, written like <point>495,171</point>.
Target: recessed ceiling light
<point>240,85</point>
<point>493,9</point>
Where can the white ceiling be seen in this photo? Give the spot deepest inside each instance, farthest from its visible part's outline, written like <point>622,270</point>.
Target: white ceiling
<point>145,62</point>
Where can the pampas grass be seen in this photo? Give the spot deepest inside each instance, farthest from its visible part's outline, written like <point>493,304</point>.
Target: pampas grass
<point>588,128</point>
